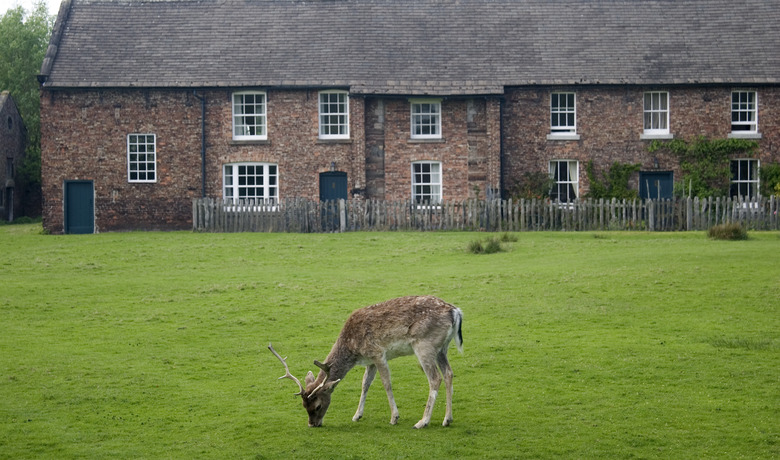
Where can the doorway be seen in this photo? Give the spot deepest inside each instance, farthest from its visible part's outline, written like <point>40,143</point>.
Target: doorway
<point>656,185</point>
<point>79,207</point>
<point>333,186</point>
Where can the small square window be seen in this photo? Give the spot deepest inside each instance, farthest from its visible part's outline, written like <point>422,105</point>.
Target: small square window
<point>563,113</point>
<point>334,115</point>
<point>141,158</point>
<point>744,178</point>
<point>565,177</point>
<point>426,119</point>
<point>656,112</point>
<point>744,112</point>
<point>249,116</point>
<point>426,182</point>
<point>258,182</point>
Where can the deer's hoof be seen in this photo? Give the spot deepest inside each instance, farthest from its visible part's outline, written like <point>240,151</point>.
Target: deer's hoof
<point>394,419</point>
<point>446,422</point>
<point>356,418</point>
<point>420,424</point>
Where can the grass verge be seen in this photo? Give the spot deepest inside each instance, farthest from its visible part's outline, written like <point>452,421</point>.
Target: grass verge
<point>153,345</point>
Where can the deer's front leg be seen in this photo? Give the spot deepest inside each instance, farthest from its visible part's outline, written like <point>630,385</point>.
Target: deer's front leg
<point>368,377</point>
<point>384,373</point>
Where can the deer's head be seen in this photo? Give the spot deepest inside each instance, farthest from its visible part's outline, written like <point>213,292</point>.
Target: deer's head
<point>316,394</point>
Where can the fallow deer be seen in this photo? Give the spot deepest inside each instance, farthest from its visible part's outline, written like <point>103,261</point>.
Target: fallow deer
<point>373,335</point>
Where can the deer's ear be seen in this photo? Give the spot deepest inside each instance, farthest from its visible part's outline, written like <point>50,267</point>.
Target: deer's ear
<point>309,378</point>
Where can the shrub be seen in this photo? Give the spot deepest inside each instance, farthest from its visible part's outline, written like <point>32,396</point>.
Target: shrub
<point>731,231</point>
<point>489,246</point>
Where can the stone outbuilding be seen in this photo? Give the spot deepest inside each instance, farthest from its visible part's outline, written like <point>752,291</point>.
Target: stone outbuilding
<point>13,140</point>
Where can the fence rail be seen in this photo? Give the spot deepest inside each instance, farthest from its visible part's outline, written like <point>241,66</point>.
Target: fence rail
<point>310,216</point>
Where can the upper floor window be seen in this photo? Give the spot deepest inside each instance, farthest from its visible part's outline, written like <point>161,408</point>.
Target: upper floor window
<point>426,182</point>
<point>744,178</point>
<point>563,113</point>
<point>565,177</point>
<point>334,115</point>
<point>251,181</point>
<point>426,119</point>
<point>249,116</point>
<point>141,158</point>
<point>656,113</point>
<point>744,112</point>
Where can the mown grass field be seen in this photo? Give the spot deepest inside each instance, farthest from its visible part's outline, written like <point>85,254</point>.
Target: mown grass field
<point>577,345</point>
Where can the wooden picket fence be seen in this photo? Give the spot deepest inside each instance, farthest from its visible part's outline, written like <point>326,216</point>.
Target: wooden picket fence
<point>311,216</point>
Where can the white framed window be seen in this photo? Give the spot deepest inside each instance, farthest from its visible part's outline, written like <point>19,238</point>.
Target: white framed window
<point>744,114</point>
<point>744,178</point>
<point>334,115</point>
<point>565,175</point>
<point>251,181</point>
<point>141,158</point>
<point>249,116</point>
<point>426,182</point>
<point>426,118</point>
<point>656,114</point>
<point>563,115</point>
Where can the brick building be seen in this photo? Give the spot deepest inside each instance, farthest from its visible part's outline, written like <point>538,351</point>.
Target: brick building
<point>13,139</point>
<point>147,105</point>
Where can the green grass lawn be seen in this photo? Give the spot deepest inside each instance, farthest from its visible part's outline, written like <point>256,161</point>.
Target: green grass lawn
<point>577,345</point>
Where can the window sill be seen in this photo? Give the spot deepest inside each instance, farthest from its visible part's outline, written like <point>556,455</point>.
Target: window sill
<point>563,137</point>
<point>334,141</point>
<point>744,135</point>
<point>644,136</point>
<point>438,140</point>
<point>250,142</point>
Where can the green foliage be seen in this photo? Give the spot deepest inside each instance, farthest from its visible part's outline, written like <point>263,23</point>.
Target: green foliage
<point>532,185</point>
<point>770,179</point>
<point>705,163</point>
<point>488,246</point>
<point>613,184</point>
<point>153,345</point>
<point>733,231</point>
<point>23,42</point>
<point>492,244</point>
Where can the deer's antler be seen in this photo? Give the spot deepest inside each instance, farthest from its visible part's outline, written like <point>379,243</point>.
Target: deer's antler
<point>287,373</point>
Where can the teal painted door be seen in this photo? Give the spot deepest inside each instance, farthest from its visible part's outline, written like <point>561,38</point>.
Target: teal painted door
<point>333,186</point>
<point>79,207</point>
<point>656,184</point>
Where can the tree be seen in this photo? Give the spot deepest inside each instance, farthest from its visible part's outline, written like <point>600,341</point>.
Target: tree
<point>23,42</point>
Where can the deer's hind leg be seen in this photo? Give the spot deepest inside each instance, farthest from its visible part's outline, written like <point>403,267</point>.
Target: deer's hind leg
<point>446,371</point>
<point>368,377</point>
<point>427,358</point>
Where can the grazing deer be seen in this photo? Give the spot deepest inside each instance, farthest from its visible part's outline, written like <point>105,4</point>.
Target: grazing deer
<point>423,326</point>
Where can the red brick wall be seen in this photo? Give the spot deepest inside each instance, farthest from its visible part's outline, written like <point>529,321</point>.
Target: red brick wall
<point>84,138</point>
<point>468,136</point>
<point>609,122</point>
<point>84,135</point>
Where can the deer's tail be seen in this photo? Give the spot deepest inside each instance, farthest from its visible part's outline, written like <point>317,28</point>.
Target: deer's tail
<point>457,322</point>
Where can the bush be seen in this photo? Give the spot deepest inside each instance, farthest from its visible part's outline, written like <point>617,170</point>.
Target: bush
<point>490,246</point>
<point>732,231</point>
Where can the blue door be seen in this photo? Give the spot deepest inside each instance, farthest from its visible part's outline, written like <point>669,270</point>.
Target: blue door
<point>656,184</point>
<point>79,207</point>
<point>333,186</point>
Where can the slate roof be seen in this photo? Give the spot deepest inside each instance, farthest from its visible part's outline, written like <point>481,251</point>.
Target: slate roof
<point>438,47</point>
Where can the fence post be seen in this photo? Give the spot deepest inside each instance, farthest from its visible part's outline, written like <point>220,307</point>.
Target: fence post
<point>689,214</point>
<point>342,216</point>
